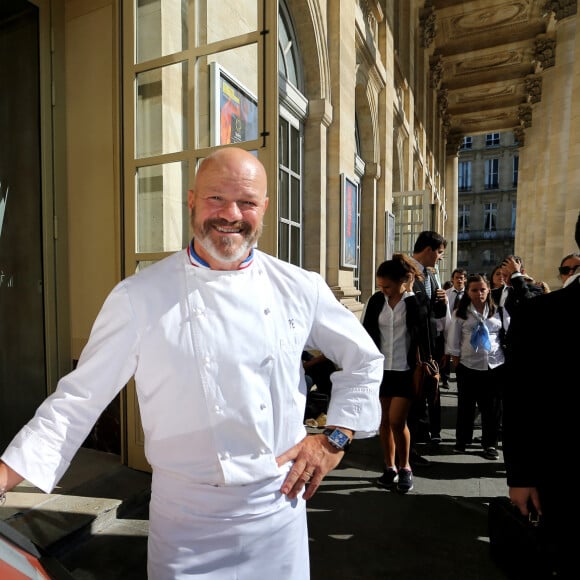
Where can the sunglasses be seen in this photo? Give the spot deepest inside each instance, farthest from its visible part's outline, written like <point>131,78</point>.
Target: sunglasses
<point>565,270</point>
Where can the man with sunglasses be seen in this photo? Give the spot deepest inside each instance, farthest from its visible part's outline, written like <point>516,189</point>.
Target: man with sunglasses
<point>569,266</point>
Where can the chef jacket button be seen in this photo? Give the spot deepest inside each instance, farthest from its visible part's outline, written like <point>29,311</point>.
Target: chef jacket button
<point>217,409</point>
<point>262,406</point>
<point>266,311</point>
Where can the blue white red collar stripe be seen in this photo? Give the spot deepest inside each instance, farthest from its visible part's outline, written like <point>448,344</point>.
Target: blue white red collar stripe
<point>199,262</point>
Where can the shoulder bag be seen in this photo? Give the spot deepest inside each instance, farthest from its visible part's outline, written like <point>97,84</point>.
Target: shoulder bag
<point>426,374</point>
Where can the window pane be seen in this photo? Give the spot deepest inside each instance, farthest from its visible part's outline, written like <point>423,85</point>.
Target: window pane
<point>283,196</point>
<point>283,142</point>
<point>286,51</point>
<point>283,242</point>
<point>161,111</point>
<point>229,114</point>
<point>295,250</point>
<point>162,220</point>
<point>295,144</point>
<point>295,200</point>
<point>221,19</point>
<point>161,28</point>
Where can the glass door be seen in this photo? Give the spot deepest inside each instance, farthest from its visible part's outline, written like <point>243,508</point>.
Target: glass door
<point>22,327</point>
<point>194,76</point>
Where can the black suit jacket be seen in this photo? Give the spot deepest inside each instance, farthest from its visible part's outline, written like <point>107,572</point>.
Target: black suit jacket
<point>518,292</point>
<point>540,422</point>
<point>435,308</point>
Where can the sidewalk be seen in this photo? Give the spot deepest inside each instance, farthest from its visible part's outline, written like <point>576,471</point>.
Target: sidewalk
<point>96,526</point>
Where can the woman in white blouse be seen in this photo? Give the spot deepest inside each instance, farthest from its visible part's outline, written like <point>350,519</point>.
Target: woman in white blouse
<point>474,344</point>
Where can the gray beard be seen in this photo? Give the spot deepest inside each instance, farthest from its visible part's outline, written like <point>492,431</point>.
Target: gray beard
<point>224,251</point>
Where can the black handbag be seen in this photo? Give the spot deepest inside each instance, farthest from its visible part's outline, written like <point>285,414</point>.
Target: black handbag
<point>518,544</point>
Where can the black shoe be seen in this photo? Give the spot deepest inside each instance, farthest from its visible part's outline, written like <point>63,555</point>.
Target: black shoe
<point>459,449</point>
<point>491,453</point>
<point>417,461</point>
<point>405,482</point>
<point>444,385</point>
<point>388,479</point>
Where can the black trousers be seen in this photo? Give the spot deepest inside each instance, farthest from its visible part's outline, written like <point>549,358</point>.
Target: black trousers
<point>479,389</point>
<point>424,420</point>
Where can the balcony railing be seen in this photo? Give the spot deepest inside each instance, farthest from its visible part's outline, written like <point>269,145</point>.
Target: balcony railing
<point>474,235</point>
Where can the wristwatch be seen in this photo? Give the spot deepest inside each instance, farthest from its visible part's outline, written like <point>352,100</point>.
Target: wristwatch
<point>337,438</point>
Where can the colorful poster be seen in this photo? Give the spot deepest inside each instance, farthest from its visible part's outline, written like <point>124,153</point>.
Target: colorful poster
<point>238,113</point>
<point>349,224</point>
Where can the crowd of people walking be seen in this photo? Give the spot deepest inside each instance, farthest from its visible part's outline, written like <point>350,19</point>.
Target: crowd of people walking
<point>493,333</point>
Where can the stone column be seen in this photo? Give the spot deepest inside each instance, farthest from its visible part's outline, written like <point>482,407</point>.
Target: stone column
<point>451,207</point>
<point>316,185</point>
<point>547,205</point>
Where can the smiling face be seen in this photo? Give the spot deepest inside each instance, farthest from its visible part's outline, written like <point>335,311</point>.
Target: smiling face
<point>227,206</point>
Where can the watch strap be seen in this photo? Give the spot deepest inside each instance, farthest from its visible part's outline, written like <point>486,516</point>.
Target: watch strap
<point>330,433</point>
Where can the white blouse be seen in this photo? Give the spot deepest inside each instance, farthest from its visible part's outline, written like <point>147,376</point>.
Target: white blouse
<point>459,340</point>
<point>395,338</point>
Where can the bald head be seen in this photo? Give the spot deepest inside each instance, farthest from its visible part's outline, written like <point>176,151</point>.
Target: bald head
<point>227,205</point>
<point>233,164</point>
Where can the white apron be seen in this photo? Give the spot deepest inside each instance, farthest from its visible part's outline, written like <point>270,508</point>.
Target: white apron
<point>226,533</point>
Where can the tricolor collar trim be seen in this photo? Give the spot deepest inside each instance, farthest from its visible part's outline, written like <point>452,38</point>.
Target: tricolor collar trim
<point>199,262</point>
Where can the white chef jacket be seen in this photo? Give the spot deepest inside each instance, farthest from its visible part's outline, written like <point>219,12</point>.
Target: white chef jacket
<point>216,357</point>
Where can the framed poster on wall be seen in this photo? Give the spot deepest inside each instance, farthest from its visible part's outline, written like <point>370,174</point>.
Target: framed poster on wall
<point>348,222</point>
<point>234,109</point>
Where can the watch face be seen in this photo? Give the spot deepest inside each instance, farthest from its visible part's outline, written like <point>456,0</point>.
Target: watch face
<point>338,438</point>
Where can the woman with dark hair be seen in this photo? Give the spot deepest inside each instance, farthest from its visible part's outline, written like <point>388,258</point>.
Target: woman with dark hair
<point>474,344</point>
<point>397,322</point>
<point>497,278</point>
